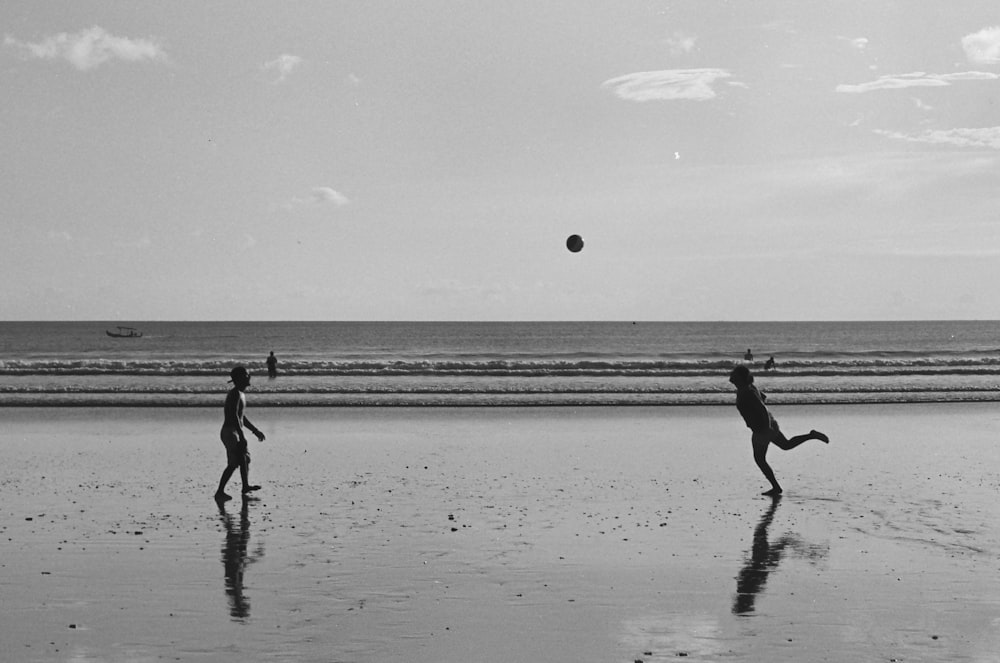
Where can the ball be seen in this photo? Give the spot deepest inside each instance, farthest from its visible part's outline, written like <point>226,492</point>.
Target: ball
<point>574,243</point>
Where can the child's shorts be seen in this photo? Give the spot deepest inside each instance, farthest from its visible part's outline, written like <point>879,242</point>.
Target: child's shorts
<point>236,451</point>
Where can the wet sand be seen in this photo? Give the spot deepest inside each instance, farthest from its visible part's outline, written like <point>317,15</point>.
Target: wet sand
<point>550,534</point>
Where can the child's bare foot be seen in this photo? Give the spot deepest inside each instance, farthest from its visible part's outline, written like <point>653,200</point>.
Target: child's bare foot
<point>250,489</point>
<point>820,436</point>
<point>773,492</point>
<point>222,497</point>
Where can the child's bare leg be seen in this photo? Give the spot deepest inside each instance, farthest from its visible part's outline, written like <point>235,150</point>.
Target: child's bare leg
<point>245,475</point>
<point>786,444</point>
<point>760,442</point>
<point>227,473</point>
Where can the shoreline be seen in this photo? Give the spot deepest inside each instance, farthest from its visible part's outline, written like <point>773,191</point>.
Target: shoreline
<point>398,400</point>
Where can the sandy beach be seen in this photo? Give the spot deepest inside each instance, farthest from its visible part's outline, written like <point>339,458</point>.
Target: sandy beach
<point>546,534</point>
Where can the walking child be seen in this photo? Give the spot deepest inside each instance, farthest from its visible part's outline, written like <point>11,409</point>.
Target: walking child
<point>764,427</point>
<point>233,437</point>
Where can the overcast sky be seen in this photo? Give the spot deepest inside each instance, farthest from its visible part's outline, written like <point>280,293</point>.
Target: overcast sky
<point>766,160</point>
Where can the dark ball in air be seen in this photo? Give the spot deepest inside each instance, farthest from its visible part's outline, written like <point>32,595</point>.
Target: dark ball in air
<point>574,243</point>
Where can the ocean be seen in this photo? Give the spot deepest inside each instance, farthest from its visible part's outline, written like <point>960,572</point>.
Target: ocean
<point>498,363</point>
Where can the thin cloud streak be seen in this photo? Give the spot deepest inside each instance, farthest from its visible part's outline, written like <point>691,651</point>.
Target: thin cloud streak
<point>667,85</point>
<point>983,137</point>
<point>916,79</point>
<point>320,195</point>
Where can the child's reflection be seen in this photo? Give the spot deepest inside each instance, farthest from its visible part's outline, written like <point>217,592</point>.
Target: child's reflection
<point>764,557</point>
<point>235,559</point>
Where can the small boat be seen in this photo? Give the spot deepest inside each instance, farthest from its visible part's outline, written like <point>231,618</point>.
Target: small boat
<point>124,332</point>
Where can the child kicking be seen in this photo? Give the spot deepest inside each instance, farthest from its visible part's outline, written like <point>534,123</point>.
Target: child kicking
<point>233,437</point>
<point>750,403</point>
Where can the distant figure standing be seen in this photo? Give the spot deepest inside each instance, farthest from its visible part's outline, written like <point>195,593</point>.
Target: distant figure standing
<point>272,366</point>
<point>233,437</point>
<point>748,356</point>
<point>769,364</point>
<point>764,427</point>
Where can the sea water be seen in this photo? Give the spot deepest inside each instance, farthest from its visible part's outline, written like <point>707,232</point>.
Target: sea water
<point>497,363</point>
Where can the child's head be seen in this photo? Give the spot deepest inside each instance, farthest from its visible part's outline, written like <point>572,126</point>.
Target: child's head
<point>239,376</point>
<point>741,376</point>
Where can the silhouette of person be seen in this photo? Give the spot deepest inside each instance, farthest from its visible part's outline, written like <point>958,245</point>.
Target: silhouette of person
<point>272,366</point>
<point>764,427</point>
<point>748,356</point>
<point>235,559</point>
<point>769,364</point>
<point>233,437</point>
<point>764,558</point>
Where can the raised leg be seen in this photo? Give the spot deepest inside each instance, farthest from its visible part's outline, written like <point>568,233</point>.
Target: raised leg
<point>786,444</point>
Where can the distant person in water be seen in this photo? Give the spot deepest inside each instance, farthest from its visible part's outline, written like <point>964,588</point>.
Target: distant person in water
<point>750,403</point>
<point>769,364</point>
<point>233,437</point>
<point>748,356</point>
<point>272,366</point>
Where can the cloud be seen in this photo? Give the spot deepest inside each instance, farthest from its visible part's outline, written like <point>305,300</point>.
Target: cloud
<point>681,44</point>
<point>970,76</point>
<point>284,65</point>
<point>89,48</point>
<point>988,137</point>
<point>320,195</point>
<point>983,47</point>
<point>59,236</point>
<point>916,79</point>
<point>667,85</point>
<point>325,194</point>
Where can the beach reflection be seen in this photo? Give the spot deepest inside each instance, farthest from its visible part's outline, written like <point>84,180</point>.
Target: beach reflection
<point>236,557</point>
<point>764,558</point>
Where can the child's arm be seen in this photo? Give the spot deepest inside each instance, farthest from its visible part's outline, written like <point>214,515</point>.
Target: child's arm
<point>256,431</point>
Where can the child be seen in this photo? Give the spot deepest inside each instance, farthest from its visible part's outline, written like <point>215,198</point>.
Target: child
<point>750,403</point>
<point>232,434</point>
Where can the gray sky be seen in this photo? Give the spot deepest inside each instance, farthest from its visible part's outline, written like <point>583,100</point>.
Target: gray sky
<point>326,160</point>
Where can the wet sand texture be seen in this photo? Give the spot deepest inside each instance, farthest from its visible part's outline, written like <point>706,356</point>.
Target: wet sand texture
<point>553,534</point>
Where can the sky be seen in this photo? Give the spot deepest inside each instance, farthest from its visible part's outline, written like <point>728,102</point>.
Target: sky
<point>328,160</point>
